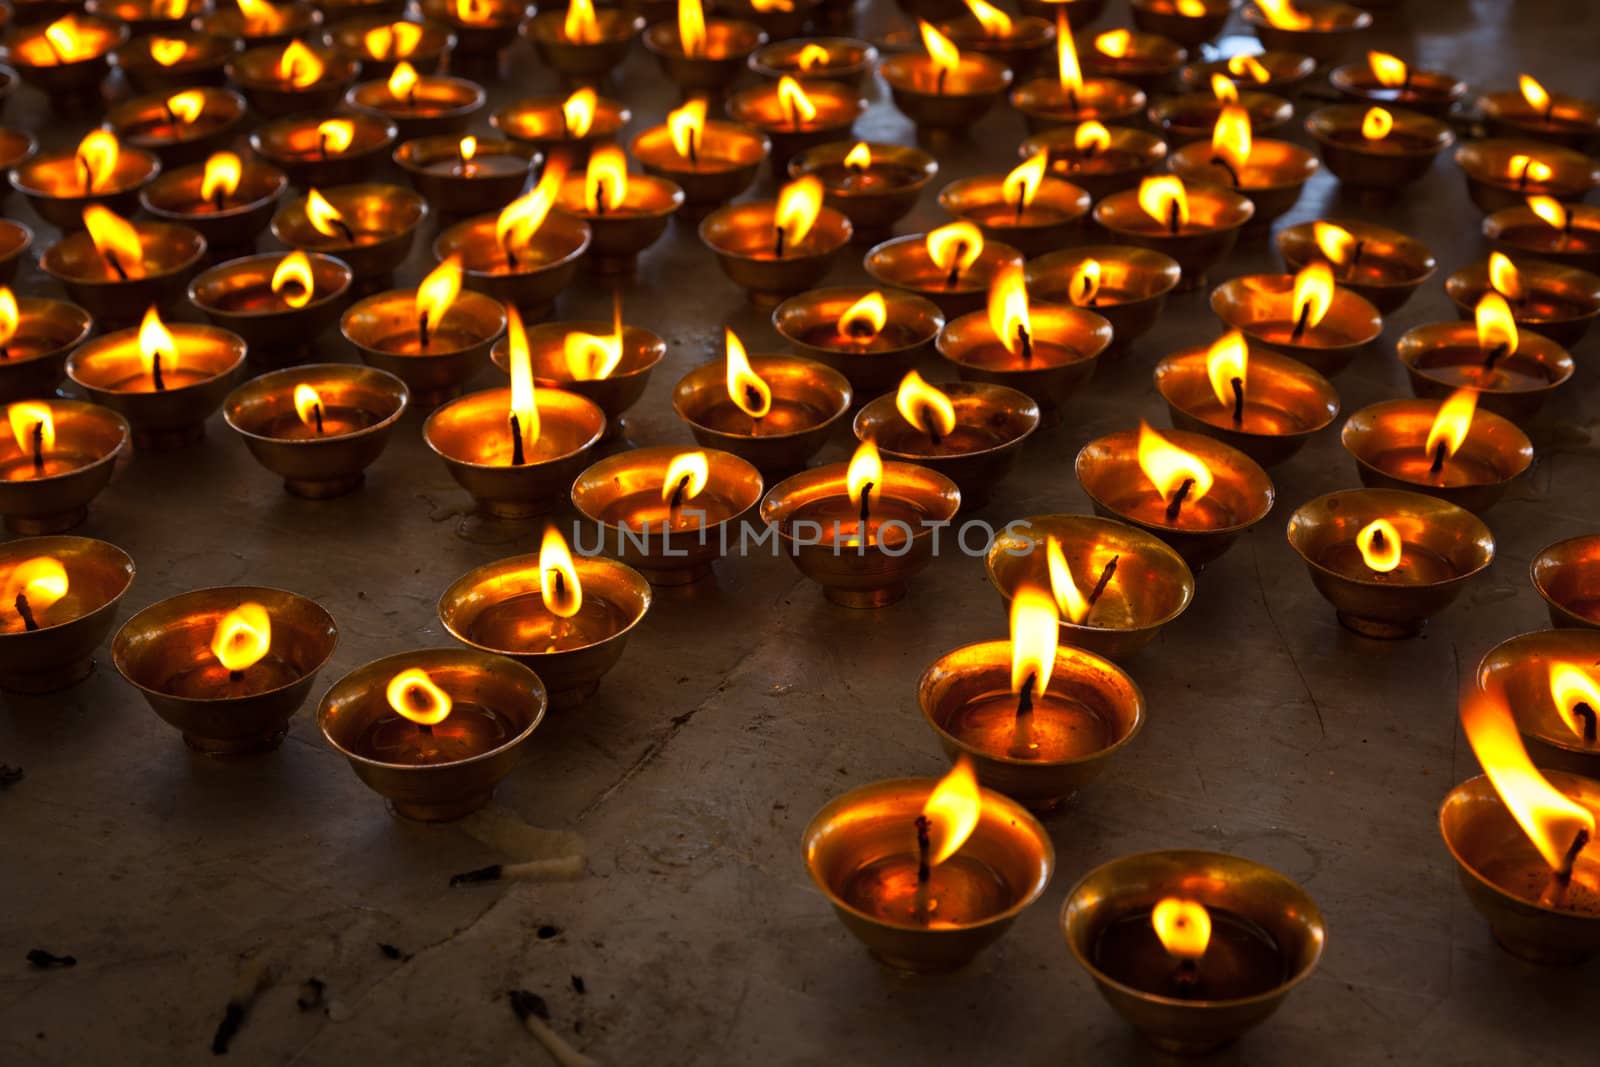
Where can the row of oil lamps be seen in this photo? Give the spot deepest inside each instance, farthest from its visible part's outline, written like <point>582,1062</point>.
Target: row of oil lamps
<point>1191,946</point>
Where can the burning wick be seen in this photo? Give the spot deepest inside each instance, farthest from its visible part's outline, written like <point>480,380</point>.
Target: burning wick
<point>938,82</point>
<point>777,248</point>
<point>322,145</point>
<point>694,149</point>
<point>924,868</point>
<point>1582,711</point>
<point>1238,398</point>
<point>220,200</point>
<point>28,621</point>
<point>1026,341</point>
<point>1522,172</point>
<point>155,363</point>
<point>1494,356</point>
<point>599,196</point>
<point>1090,294</point>
<point>1438,459</point>
<point>931,418</point>
<point>1106,575</point>
<point>316,415</point>
<point>1562,879</point>
<point>677,493</point>
<point>422,329</point>
<point>1219,160</point>
<point>1299,329</point>
<point>1176,503</point>
<point>517,458</point>
<point>1173,222</point>
<point>866,507</point>
<point>38,454</point>
<point>954,277</point>
<point>345,231</point>
<point>122,275</point>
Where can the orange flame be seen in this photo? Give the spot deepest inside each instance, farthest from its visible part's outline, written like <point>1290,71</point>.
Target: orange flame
<point>865,474</point>
<point>1527,169</point>
<point>955,245</point>
<point>156,341</point>
<point>307,404</point>
<point>1570,686</point>
<point>580,25</point>
<point>168,51</point>
<point>811,56</point>
<point>1504,277</point>
<point>1551,820</point>
<point>299,66</point>
<point>474,12</point>
<point>97,159</point>
<point>520,220</point>
<point>1070,601</point>
<point>1283,15</point>
<point>578,111</point>
<point>691,471</point>
<point>221,177</point>
<point>767,7</point>
<point>1034,632</point>
<point>1249,67</point>
<point>392,40</point>
<point>692,27</point>
<point>242,637</point>
<point>1390,70</point>
<point>1451,424</point>
<point>323,216</point>
<point>946,57</point>
<point>260,17</point>
<point>403,81</point>
<point>1223,89</point>
<point>794,101</point>
<point>589,357</point>
<point>1084,287</point>
<point>799,204</point>
<point>1227,359</point>
<point>1313,293</point>
<point>1182,926</point>
<point>749,393</point>
<point>686,125</point>
<point>1069,72</point>
<point>42,579</point>
<point>1008,308</point>
<point>1376,124</point>
<point>1551,210</point>
<point>438,291</point>
<point>67,40</point>
<point>1380,545</point>
<point>952,811</point>
<point>115,239</point>
<point>336,135</point>
<point>28,417</point>
<point>1334,242</point>
<point>1191,9</point>
<point>864,319</point>
<point>995,23</point>
<point>1091,137</point>
<point>559,587</point>
<point>923,406</point>
<point>1230,138</point>
<point>605,183</point>
<point>187,106</point>
<point>1497,330</point>
<point>415,696</point>
<point>466,148</point>
<point>1022,184</point>
<point>1168,467</point>
<point>10,317</point>
<point>1114,43</point>
<point>1533,93</point>
<point>524,400</point>
<point>1164,199</point>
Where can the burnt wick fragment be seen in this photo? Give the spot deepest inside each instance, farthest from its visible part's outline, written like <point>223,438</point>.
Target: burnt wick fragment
<point>40,959</point>
<point>311,994</point>
<point>391,952</point>
<point>534,1015</point>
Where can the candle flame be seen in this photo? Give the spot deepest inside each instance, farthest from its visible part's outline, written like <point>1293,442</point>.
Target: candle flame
<point>692,27</point>
<point>520,220</point>
<point>590,357</point>
<point>1069,73</point>
<point>1376,124</point>
<point>1182,926</point>
<point>1223,88</point>
<point>1227,358</point>
<point>1283,15</point>
<point>686,124</point>
<point>97,158</point>
<point>1091,137</point>
<point>1231,138</point>
<point>1497,329</point>
<point>395,40</point>
<point>864,474</point>
<point>811,56</point>
<point>242,637</point>
<point>1451,424</point>
<point>1334,242</point>
<point>168,51</point>
<point>1551,820</point>
<point>925,407</point>
<point>415,696</point>
<point>9,315</point>
<point>336,134</point>
<point>1390,70</point>
<point>1084,286</point>
<point>864,319</point>
<point>748,391</point>
<point>580,25</point>
<point>1527,169</point>
<point>1191,9</point>
<point>260,17</point>
<point>1022,184</point>
<point>403,81</point>
<point>1168,467</point>
<point>300,66</point>
<point>156,340</point>
<point>307,402</point>
<point>28,417</point>
<point>68,39</point>
<point>42,579</point>
<point>1313,292</point>
<point>467,148</point>
<point>474,12</point>
<point>1114,43</point>
<point>438,290</point>
<point>1551,210</point>
<point>956,244</point>
<point>221,176</point>
<point>995,23</point>
<point>559,587</point>
<point>693,466</point>
<point>1070,601</point>
<point>186,106</point>
<point>323,216</point>
<point>1249,67</point>
<point>1533,92</point>
<point>115,238</point>
<point>1570,686</point>
<point>524,400</point>
<point>1008,308</point>
<point>578,111</point>
<point>946,57</point>
<point>952,811</point>
<point>1034,632</point>
<point>767,7</point>
<point>1158,195</point>
<point>799,204</point>
<point>1504,277</point>
<point>794,101</point>
<point>605,183</point>
<point>1380,545</point>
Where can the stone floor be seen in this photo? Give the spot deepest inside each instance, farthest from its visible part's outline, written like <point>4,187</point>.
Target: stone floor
<point>742,707</point>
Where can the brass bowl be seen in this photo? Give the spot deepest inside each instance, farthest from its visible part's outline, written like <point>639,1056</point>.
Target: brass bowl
<point>781,59</point>
<point>1486,166</point>
<point>15,240</point>
<point>95,436</point>
<point>975,199</point>
<point>1286,72</point>
<point>390,212</point>
<point>443,791</point>
<point>1151,62</point>
<point>1370,605</point>
<point>838,106</point>
<point>708,184</point>
<point>875,821</point>
<point>176,416</point>
<point>1189,117</point>
<point>41,178</point>
<point>1222,213</point>
<point>1391,425</point>
<point>740,236</point>
<point>480,42</point>
<point>1520,668</point>
<point>872,212</point>
<point>173,636</point>
<point>474,320</point>
<point>587,61</point>
<point>1481,833</point>
<point>1526,238</point>
<point>273,337</point>
<point>1335,30</point>
<point>801,381</point>
<point>348,38</point>
<point>618,236</point>
<point>456,101</point>
<point>61,653</point>
<point>558,246</point>
<point>1107,465</point>
<point>904,263</point>
<point>572,676</point>
<point>229,23</point>
<point>460,433</point>
<point>1569,121</point>
<point>1134,283</point>
<point>173,196</point>
<point>56,328</point>
<point>1189,30</point>
<point>1250,890</point>
<point>665,559</point>
<point>974,89</point>
<point>806,319</point>
<point>728,44</point>
<point>540,121</point>
<point>254,72</point>
<point>456,194</point>
<point>73,86</point>
<point>1403,157</point>
<point>1408,261</point>
<point>202,66</point>
<point>139,121</point>
<point>1045,105</point>
<point>1273,178</point>
<point>1083,335</point>
<point>1129,156</point>
<point>1297,391</point>
<point>1152,585</point>
<point>1566,575</point>
<point>779,23</point>
<point>974,672</point>
<point>317,468</point>
<point>1009,415</point>
<point>1257,303</point>
<point>172,254</point>
<point>290,145</point>
<point>642,350</point>
<point>1427,352</point>
<point>1020,50</point>
<point>1430,92</point>
<point>1574,295</point>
